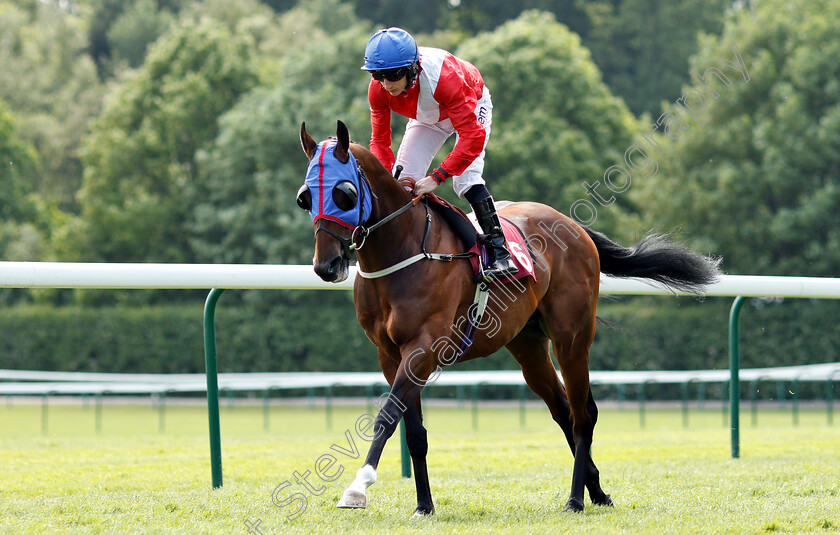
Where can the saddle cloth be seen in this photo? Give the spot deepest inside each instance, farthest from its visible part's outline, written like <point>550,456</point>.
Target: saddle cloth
<point>520,251</point>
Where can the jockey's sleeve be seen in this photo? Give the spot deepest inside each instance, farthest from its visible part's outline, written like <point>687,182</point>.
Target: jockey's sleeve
<point>460,102</point>
<point>380,125</point>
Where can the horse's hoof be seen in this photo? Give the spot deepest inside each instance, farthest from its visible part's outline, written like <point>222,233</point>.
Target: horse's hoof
<point>422,513</point>
<point>352,499</point>
<point>606,501</point>
<point>574,506</point>
<point>418,515</point>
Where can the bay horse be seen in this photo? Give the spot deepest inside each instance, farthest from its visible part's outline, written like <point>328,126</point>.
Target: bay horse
<point>411,305</point>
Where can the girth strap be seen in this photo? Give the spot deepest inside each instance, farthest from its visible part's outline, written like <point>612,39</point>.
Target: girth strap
<point>407,262</point>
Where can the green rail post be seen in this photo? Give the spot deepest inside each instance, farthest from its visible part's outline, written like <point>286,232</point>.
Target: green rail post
<point>310,394</point>
<point>162,412</point>
<point>329,400</point>
<point>475,406</point>
<point>725,403</point>
<point>213,385</point>
<point>642,405</point>
<point>44,411</point>
<point>684,393</point>
<point>781,394</point>
<point>266,400</point>
<point>369,398</point>
<point>405,456</point>
<point>98,414</point>
<point>734,376</point>
<point>829,399</point>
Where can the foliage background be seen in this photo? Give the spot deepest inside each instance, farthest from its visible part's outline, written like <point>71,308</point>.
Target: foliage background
<point>166,131</point>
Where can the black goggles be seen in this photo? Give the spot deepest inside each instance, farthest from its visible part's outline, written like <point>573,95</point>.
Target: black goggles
<point>392,75</point>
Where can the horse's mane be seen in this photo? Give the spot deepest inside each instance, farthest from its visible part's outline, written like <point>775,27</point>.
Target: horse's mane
<point>376,172</point>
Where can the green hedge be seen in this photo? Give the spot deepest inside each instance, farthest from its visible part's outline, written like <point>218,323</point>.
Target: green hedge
<point>158,339</point>
<point>682,333</point>
<point>318,333</point>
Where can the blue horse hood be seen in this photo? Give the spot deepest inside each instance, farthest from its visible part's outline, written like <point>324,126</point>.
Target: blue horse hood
<point>324,173</point>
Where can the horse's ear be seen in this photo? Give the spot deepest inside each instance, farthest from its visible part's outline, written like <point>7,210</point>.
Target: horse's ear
<point>306,141</point>
<point>342,148</point>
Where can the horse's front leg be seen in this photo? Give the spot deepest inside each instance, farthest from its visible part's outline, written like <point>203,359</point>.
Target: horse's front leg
<point>418,447</point>
<point>408,382</point>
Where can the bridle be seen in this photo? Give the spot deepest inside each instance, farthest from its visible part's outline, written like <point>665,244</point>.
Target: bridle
<point>362,231</point>
<point>346,243</point>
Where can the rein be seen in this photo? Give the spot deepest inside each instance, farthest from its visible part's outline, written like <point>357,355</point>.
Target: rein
<point>423,255</point>
<point>365,231</point>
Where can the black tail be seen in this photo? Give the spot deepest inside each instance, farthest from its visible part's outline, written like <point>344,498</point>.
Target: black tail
<point>658,259</point>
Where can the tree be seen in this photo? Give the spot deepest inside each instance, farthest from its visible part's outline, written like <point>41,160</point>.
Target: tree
<point>466,16</point>
<point>141,174</point>
<point>18,168</point>
<point>643,46</point>
<point>52,88</point>
<point>138,26</point>
<point>255,165</point>
<point>473,16</point>
<point>555,123</point>
<point>21,230</point>
<point>755,177</point>
<point>251,172</point>
<point>121,31</point>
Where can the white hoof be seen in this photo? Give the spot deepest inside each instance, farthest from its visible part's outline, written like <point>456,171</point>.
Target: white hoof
<point>352,499</point>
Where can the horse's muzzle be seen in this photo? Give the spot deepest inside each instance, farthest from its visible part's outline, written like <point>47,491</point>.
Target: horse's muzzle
<point>335,270</point>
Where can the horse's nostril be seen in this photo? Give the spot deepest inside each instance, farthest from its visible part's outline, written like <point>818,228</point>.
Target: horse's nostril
<point>335,265</point>
<point>329,270</point>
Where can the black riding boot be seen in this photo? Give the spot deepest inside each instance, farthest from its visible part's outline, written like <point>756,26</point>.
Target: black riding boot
<point>499,263</point>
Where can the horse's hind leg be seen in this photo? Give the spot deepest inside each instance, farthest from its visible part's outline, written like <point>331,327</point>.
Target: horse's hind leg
<point>530,348</point>
<point>570,320</point>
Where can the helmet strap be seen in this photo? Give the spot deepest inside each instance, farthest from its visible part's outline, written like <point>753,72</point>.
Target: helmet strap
<point>413,70</point>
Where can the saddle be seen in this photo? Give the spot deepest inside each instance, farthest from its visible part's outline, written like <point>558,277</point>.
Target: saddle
<point>466,228</point>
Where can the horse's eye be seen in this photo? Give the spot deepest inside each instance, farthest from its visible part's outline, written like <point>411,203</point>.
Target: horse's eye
<point>304,198</point>
<point>345,195</point>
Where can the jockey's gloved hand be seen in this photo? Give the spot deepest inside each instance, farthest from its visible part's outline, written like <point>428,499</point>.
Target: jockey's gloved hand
<point>424,186</point>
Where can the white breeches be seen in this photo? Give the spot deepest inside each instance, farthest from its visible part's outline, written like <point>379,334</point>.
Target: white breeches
<point>422,141</point>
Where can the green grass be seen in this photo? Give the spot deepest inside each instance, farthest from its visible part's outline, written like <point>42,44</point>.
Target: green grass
<point>131,478</point>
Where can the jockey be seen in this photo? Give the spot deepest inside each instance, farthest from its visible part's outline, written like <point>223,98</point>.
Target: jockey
<point>441,95</point>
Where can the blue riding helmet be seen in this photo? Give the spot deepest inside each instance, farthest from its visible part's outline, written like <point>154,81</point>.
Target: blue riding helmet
<point>390,49</point>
